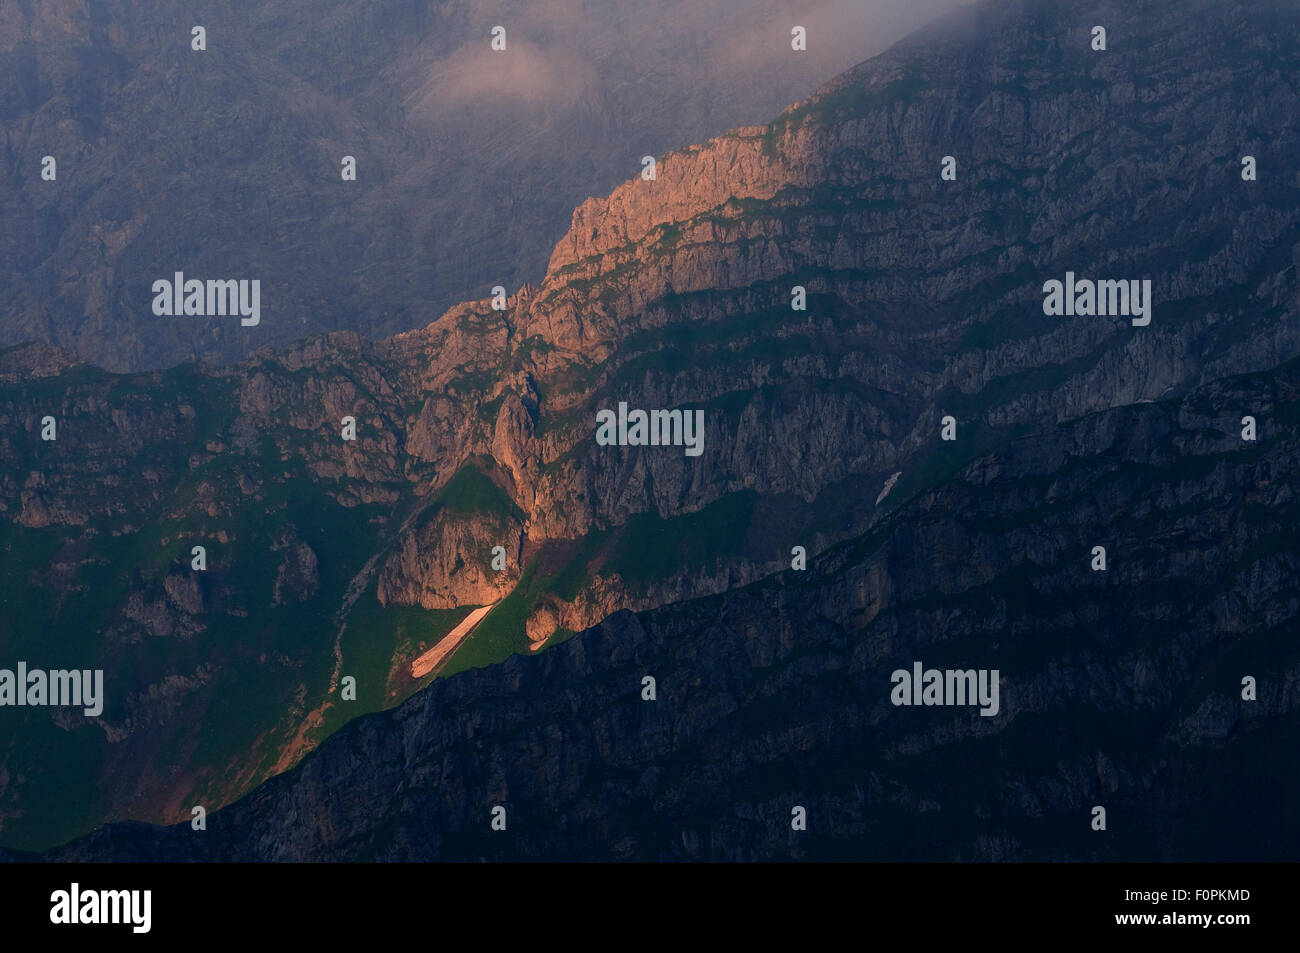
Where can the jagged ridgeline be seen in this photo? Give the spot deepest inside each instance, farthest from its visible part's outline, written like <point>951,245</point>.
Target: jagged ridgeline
<point>817,287</point>
<point>371,162</point>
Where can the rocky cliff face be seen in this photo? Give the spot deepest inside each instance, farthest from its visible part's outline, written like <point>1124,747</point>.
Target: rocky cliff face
<point>227,163</point>
<point>1120,688</point>
<point>444,563</point>
<point>924,300</point>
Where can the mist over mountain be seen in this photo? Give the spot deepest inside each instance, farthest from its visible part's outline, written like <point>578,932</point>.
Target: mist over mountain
<point>945,450</point>
<point>226,163</point>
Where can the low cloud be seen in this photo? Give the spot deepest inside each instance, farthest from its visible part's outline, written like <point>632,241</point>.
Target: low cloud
<point>564,54</point>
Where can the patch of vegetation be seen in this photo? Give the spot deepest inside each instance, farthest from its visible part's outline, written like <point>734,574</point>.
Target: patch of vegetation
<point>651,548</point>
<point>376,638</point>
<point>470,490</point>
<point>502,633</point>
<point>847,102</point>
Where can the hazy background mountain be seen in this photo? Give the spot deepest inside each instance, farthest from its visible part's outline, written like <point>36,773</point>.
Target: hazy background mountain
<point>226,163</point>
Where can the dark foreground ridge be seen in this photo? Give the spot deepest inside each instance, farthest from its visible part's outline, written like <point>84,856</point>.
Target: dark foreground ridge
<point>1119,688</point>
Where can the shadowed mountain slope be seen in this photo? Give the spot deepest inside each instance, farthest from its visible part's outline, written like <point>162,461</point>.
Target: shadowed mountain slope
<point>1119,688</point>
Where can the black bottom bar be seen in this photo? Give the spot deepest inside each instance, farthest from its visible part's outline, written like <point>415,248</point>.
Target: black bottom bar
<point>603,903</point>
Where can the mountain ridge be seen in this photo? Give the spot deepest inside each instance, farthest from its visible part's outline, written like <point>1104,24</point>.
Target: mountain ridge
<point>777,694</point>
<point>476,431</point>
<point>227,162</point>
